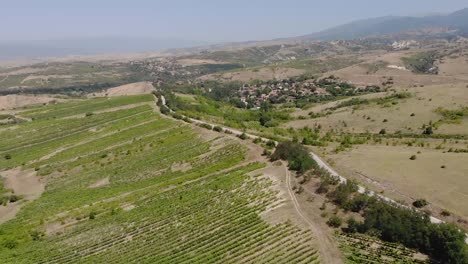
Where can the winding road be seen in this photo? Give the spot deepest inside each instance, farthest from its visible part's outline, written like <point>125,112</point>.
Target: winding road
<point>321,163</point>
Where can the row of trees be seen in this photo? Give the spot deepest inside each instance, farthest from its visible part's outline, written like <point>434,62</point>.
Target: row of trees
<point>412,228</point>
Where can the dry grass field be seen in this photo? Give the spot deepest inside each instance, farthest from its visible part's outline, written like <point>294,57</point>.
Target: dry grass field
<point>392,169</point>
<point>399,117</point>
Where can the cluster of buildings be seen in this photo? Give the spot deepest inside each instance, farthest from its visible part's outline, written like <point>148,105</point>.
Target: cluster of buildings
<point>280,91</point>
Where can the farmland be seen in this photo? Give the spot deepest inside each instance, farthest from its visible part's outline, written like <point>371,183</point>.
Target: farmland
<point>124,184</point>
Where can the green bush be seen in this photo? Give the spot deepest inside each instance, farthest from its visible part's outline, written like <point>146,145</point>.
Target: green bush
<point>207,126</point>
<point>218,129</point>
<point>243,136</point>
<point>420,203</point>
<point>334,221</point>
<point>297,156</point>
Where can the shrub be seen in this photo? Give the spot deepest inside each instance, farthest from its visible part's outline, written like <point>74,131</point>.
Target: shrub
<point>7,156</point>
<point>89,114</point>
<point>413,157</point>
<point>218,129</point>
<point>271,144</point>
<point>297,156</point>
<point>10,243</point>
<point>334,221</point>
<point>420,203</point>
<point>207,126</point>
<point>428,131</point>
<point>445,213</point>
<point>382,131</point>
<point>14,198</point>
<point>353,226</point>
<point>257,140</point>
<point>243,136</point>
<point>92,215</point>
<point>266,152</point>
<point>341,194</point>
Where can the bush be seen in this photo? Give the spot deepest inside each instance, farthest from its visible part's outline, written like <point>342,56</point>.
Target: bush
<point>10,243</point>
<point>413,229</point>
<point>243,136</point>
<point>413,157</point>
<point>353,226</point>
<point>271,144</point>
<point>334,221</point>
<point>420,203</point>
<point>382,131</point>
<point>14,198</point>
<point>207,126</point>
<point>92,215</point>
<point>266,152</point>
<point>297,156</point>
<point>7,156</point>
<point>445,213</point>
<point>89,114</point>
<point>218,129</point>
<point>341,194</point>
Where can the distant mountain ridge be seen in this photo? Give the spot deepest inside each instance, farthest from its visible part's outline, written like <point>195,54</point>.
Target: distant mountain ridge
<point>391,25</point>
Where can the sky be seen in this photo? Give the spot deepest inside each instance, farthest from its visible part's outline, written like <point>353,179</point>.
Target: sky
<point>209,21</point>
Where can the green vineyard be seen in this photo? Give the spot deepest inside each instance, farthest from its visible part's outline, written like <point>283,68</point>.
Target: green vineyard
<point>126,185</point>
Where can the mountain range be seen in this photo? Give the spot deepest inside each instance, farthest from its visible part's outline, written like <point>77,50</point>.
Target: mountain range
<point>455,23</point>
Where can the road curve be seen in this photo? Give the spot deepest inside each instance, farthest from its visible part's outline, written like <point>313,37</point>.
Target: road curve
<point>322,164</point>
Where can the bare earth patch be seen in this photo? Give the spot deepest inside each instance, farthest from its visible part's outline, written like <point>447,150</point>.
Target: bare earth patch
<point>183,167</point>
<point>407,179</point>
<point>100,183</point>
<point>23,183</point>
<point>128,89</point>
<point>255,74</point>
<point>16,101</point>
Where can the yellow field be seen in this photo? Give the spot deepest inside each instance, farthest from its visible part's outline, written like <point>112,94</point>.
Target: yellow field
<point>392,169</point>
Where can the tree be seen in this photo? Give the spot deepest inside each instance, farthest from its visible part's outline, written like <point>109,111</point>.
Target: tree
<point>448,244</point>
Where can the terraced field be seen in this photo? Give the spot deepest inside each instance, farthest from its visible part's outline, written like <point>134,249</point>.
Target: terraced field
<point>125,185</point>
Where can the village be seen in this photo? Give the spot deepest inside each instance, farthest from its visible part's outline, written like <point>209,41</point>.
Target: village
<point>291,90</point>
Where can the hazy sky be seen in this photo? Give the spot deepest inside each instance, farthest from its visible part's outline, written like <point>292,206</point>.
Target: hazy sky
<point>205,20</point>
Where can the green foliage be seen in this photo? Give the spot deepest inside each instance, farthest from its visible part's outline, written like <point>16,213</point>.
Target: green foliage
<point>207,126</point>
<point>342,193</point>
<point>421,62</point>
<point>207,212</point>
<point>420,203</point>
<point>297,156</point>
<point>218,129</point>
<point>334,221</point>
<point>413,229</point>
<point>243,136</point>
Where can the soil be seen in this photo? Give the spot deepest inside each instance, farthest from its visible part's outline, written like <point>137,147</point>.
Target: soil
<point>24,183</point>
<point>128,89</point>
<point>16,101</point>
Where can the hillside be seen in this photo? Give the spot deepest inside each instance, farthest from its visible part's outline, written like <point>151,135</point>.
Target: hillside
<point>457,21</point>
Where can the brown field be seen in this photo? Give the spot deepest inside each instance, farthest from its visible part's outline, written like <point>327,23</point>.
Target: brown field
<point>264,74</point>
<point>422,103</point>
<point>407,179</point>
<point>452,69</point>
<point>128,89</point>
<point>16,101</point>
